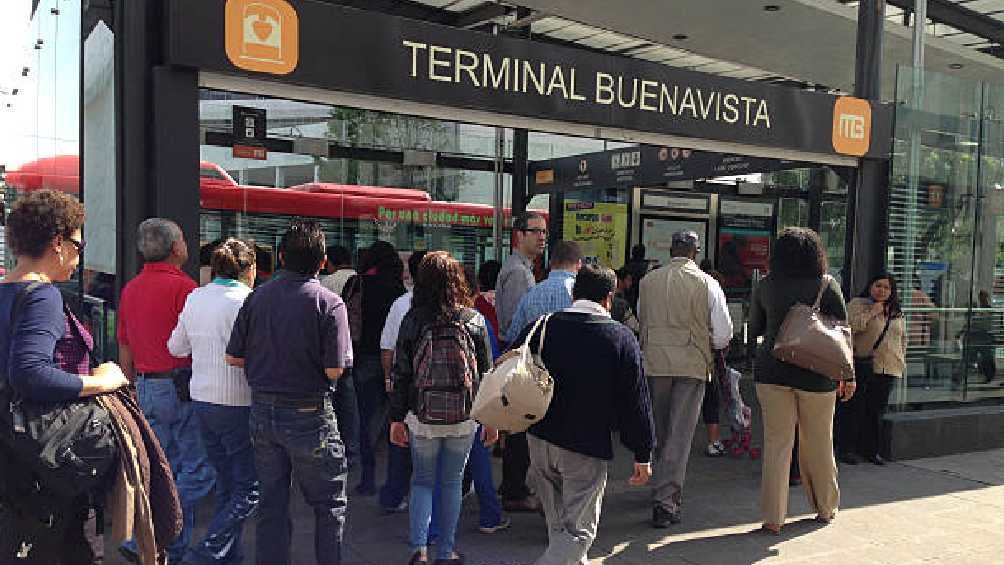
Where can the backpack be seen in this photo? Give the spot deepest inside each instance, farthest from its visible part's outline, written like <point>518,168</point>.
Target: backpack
<point>352,296</point>
<point>446,368</point>
<point>69,447</point>
<point>517,392</point>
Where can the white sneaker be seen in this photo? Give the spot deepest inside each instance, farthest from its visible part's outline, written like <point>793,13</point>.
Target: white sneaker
<point>505,523</point>
<point>715,449</point>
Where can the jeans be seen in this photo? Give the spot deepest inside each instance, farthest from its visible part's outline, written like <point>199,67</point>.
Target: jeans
<point>479,463</point>
<point>395,489</point>
<point>302,442</point>
<point>177,429</point>
<point>347,412</point>
<point>226,431</point>
<point>445,457</point>
<point>371,395</point>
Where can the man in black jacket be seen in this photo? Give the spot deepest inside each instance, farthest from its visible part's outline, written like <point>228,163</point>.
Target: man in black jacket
<point>599,387</point>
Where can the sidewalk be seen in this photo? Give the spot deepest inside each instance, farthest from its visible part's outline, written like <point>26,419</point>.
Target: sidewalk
<point>944,510</point>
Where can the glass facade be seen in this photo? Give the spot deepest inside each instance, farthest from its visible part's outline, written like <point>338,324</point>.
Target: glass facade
<point>946,237</point>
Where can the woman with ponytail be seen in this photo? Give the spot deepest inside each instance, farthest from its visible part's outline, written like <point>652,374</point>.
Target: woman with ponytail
<point>221,396</point>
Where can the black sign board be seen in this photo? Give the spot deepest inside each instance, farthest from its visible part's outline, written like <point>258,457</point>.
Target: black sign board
<point>643,166</point>
<point>249,132</point>
<point>332,47</point>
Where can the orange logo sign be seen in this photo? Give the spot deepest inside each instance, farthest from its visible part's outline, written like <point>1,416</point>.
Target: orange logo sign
<point>262,35</point>
<point>852,126</point>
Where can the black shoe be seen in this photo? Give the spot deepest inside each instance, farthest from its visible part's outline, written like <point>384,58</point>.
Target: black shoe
<point>416,559</point>
<point>458,560</point>
<point>877,459</point>
<point>794,480</point>
<point>662,518</point>
<point>849,458</point>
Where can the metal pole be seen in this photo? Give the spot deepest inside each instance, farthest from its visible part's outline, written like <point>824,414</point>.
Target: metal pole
<point>916,105</point>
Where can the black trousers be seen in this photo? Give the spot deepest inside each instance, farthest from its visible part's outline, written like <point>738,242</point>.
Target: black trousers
<point>515,464</point>
<point>71,539</point>
<point>859,420</point>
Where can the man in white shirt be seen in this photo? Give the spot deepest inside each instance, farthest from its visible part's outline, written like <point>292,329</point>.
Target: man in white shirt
<point>684,318</point>
<point>394,493</point>
<point>339,268</point>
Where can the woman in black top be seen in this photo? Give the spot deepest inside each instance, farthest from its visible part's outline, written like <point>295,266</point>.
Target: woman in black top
<point>792,397</point>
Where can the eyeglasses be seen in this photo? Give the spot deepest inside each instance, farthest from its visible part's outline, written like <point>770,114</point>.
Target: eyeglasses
<point>78,244</point>
<point>538,231</point>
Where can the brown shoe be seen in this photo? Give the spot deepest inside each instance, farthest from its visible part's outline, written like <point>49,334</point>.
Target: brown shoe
<point>528,504</point>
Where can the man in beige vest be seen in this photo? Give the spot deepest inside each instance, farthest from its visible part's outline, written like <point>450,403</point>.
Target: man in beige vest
<point>684,317</point>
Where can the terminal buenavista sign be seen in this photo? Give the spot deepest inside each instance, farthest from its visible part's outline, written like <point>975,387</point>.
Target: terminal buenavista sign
<point>450,70</point>
<point>501,73</point>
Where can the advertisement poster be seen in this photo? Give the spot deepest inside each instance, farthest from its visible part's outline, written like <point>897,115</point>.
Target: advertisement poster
<point>657,235</point>
<point>744,234</point>
<point>600,228</point>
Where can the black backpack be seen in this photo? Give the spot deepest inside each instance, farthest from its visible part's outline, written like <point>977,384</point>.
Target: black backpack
<point>69,447</point>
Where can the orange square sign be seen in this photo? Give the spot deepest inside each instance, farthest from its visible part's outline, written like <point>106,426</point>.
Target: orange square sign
<point>262,35</point>
<point>852,126</point>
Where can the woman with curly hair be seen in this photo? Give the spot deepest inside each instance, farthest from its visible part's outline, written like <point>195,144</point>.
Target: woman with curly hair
<point>442,351</point>
<point>45,358</point>
<point>791,397</point>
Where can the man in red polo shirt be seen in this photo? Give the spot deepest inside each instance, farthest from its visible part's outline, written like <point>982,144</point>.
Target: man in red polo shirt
<point>148,311</point>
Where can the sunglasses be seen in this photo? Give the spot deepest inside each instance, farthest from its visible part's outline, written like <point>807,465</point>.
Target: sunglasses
<point>77,244</point>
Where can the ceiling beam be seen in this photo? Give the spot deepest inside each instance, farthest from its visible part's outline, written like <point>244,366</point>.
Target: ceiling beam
<point>480,14</point>
<point>959,17</point>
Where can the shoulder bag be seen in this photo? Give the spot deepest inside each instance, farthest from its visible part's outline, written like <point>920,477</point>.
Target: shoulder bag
<point>517,392</point>
<point>69,446</point>
<point>815,341</point>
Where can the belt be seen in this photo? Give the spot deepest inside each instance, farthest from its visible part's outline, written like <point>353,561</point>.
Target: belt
<point>167,375</point>
<point>288,400</point>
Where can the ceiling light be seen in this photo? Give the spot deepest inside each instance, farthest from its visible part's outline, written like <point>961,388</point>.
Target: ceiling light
<point>771,8</point>
<point>956,66</point>
<point>681,37</point>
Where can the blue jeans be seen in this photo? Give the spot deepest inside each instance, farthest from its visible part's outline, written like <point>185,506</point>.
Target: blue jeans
<point>431,457</point>
<point>347,412</point>
<point>177,429</point>
<point>226,431</point>
<point>395,489</point>
<point>489,507</point>
<point>371,396</point>
<point>299,441</point>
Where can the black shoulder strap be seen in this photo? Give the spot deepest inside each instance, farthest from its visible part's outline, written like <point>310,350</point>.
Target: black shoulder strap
<point>881,336</point>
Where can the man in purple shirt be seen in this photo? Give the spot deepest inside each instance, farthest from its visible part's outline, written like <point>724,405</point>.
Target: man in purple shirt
<point>292,338</point>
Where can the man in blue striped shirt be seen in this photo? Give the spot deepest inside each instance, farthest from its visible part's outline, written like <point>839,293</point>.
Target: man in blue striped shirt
<point>552,294</point>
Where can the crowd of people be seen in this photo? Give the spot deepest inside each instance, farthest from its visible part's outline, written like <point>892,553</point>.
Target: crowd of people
<point>248,388</point>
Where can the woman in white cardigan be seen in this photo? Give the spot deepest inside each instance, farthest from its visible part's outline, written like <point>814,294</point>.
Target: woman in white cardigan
<point>221,396</point>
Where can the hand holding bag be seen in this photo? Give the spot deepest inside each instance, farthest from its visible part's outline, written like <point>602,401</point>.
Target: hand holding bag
<point>815,341</point>
<point>517,392</point>
<point>69,446</point>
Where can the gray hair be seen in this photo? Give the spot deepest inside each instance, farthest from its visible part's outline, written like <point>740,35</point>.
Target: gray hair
<point>155,238</point>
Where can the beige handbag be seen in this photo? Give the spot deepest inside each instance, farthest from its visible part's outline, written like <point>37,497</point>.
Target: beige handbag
<point>517,392</point>
<point>812,340</point>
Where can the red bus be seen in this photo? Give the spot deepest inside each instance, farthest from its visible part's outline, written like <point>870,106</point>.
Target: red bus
<point>350,215</point>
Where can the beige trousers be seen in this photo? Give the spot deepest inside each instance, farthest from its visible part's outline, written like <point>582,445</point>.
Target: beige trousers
<point>783,408</point>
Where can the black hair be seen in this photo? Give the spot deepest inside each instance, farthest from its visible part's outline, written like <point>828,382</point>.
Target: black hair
<point>382,256</point>
<point>638,252</point>
<point>488,274</point>
<point>413,263</point>
<point>594,282</point>
<point>893,307</point>
<point>798,252</point>
<point>622,273</point>
<point>339,255</point>
<point>565,253</point>
<point>206,252</point>
<point>302,247</point>
<point>521,221</point>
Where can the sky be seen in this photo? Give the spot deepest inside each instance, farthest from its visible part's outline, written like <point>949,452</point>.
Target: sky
<point>42,119</point>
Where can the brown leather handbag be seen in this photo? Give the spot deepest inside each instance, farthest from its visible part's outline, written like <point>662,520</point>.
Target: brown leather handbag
<point>815,341</point>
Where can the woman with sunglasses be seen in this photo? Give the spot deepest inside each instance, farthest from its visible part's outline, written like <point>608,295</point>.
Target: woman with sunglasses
<point>45,358</point>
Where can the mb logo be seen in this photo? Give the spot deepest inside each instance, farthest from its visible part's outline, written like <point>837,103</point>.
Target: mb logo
<point>852,122</point>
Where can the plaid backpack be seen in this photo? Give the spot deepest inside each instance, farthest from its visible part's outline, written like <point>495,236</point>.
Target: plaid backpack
<point>446,366</point>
